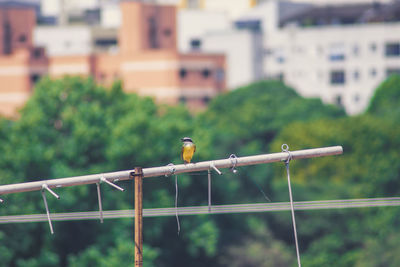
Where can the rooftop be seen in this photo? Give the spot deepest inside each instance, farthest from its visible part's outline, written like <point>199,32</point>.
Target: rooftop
<point>346,14</point>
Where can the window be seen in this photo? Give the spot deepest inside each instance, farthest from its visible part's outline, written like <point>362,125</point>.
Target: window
<point>153,40</point>
<point>392,71</point>
<point>195,44</point>
<point>206,99</point>
<point>182,73</point>
<point>372,47</point>
<point>7,47</point>
<point>106,42</point>
<point>280,59</point>
<point>338,100</point>
<point>249,24</point>
<point>337,52</point>
<point>206,73</point>
<point>167,32</point>
<point>372,72</point>
<point>279,56</point>
<point>35,78</point>
<point>356,50</point>
<point>356,75</point>
<point>392,49</point>
<point>22,38</point>
<point>37,52</point>
<point>338,77</point>
<point>337,57</point>
<point>220,75</point>
<point>182,100</point>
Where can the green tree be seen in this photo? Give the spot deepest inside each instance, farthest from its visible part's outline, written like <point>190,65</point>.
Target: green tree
<point>385,102</point>
<point>368,168</point>
<point>70,127</point>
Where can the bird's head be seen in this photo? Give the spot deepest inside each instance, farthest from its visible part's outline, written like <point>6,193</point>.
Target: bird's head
<point>187,139</point>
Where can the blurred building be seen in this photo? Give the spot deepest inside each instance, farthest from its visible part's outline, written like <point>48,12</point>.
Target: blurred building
<point>339,53</point>
<point>232,8</point>
<point>142,53</point>
<point>212,31</point>
<point>21,64</point>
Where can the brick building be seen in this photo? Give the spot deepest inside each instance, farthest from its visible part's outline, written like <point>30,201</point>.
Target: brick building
<point>147,60</point>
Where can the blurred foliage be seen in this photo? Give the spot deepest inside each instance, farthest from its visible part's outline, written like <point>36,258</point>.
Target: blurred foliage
<point>72,126</point>
<point>385,102</point>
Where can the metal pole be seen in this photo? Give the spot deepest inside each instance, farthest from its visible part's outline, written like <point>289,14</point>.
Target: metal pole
<point>138,176</point>
<point>166,170</point>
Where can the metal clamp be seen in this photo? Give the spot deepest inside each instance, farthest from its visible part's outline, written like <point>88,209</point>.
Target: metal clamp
<point>234,162</point>
<point>172,169</point>
<point>285,148</point>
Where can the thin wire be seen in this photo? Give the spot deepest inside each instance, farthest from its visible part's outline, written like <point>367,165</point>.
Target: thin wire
<point>217,209</point>
<point>261,190</point>
<point>176,204</point>
<point>209,190</point>
<point>47,211</point>
<point>292,210</point>
<point>99,200</point>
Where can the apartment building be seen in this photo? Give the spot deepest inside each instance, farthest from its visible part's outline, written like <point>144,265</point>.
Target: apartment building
<point>338,53</point>
<point>142,53</point>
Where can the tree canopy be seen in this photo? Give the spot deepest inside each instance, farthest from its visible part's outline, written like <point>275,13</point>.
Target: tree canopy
<point>72,126</point>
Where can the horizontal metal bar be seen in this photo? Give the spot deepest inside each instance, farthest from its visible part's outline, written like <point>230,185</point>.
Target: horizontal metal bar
<point>217,209</point>
<point>166,170</point>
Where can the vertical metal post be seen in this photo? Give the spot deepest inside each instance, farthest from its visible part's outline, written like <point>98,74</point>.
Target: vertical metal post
<point>138,176</point>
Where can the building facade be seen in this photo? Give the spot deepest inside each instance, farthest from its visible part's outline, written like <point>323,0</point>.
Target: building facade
<point>337,53</point>
<point>143,55</point>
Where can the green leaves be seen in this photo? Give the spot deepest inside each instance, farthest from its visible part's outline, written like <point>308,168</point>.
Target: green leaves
<point>385,102</point>
<point>72,126</point>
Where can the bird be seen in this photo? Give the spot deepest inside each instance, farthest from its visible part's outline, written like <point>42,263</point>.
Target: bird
<point>188,149</point>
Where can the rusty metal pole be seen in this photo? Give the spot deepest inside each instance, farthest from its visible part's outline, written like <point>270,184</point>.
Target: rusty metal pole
<point>138,177</point>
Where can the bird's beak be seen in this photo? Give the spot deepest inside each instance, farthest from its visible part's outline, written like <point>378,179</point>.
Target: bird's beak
<point>182,139</point>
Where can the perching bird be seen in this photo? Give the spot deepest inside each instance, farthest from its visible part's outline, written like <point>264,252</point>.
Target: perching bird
<point>188,149</point>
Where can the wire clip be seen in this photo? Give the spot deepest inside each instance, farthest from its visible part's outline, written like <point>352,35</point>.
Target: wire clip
<point>234,161</point>
<point>285,148</point>
<point>172,169</point>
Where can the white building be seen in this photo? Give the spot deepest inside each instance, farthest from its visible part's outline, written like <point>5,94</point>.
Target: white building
<point>75,40</point>
<point>215,32</point>
<point>341,65</point>
<point>231,8</point>
<point>243,51</point>
<point>335,53</point>
<point>339,53</point>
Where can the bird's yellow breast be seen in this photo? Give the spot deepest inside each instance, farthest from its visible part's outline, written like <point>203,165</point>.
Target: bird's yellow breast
<point>188,151</point>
